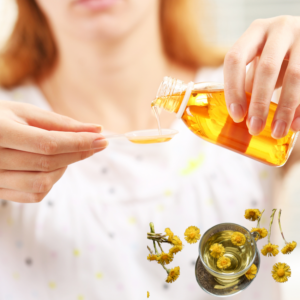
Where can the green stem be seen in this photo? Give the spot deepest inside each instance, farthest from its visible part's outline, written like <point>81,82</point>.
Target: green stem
<point>279,215</point>
<point>272,218</point>
<point>160,247</point>
<point>258,221</point>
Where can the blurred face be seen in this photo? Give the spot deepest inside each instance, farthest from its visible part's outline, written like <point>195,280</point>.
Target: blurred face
<point>89,19</point>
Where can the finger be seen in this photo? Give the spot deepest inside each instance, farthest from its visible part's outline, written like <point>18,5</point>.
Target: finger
<point>31,139</point>
<point>15,160</point>
<point>243,52</point>
<point>21,197</point>
<point>296,122</point>
<point>37,117</point>
<point>289,98</point>
<point>30,182</point>
<point>250,75</point>
<point>265,80</point>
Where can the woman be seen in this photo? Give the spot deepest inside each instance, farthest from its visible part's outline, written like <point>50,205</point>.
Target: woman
<point>101,62</point>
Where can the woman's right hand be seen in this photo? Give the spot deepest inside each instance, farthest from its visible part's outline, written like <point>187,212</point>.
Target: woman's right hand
<point>36,146</point>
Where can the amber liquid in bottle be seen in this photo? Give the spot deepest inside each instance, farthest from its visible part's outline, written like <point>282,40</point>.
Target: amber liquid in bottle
<point>207,116</point>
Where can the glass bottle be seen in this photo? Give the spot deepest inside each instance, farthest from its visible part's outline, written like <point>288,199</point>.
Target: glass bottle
<point>202,107</point>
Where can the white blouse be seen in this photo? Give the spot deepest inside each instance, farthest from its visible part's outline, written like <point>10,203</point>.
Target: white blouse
<point>87,239</point>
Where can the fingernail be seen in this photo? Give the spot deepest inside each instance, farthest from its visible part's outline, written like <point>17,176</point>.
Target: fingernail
<point>296,125</point>
<point>255,125</point>
<point>279,129</point>
<point>99,127</point>
<point>236,112</point>
<point>99,143</point>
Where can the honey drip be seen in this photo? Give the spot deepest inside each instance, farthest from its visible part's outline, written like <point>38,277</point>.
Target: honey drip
<point>206,115</point>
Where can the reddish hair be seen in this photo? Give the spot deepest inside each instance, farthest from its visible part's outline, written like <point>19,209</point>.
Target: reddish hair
<point>30,53</point>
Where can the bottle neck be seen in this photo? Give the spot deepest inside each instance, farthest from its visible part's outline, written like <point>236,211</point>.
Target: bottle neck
<point>170,94</point>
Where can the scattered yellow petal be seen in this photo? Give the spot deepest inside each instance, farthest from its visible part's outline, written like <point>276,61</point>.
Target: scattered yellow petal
<point>148,294</point>
<point>192,234</point>
<point>270,250</point>
<point>99,275</point>
<point>238,239</point>
<point>76,252</point>
<point>281,272</point>
<point>164,258</point>
<point>173,274</point>
<point>168,193</point>
<point>132,220</point>
<point>223,262</point>
<point>252,214</point>
<point>263,232</point>
<point>169,234</point>
<point>289,248</point>
<point>217,250</point>
<point>250,274</point>
<point>152,257</point>
<point>80,297</point>
<point>52,285</point>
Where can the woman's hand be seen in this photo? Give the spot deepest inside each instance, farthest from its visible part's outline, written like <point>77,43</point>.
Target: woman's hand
<point>273,47</point>
<point>36,146</point>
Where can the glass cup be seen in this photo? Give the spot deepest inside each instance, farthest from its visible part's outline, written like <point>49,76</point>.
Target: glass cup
<point>221,283</point>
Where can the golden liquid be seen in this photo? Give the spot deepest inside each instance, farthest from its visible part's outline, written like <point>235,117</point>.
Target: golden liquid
<point>149,140</point>
<point>206,115</point>
<point>240,257</point>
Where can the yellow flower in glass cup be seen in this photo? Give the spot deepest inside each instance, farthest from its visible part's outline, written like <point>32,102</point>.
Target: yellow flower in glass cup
<point>192,234</point>
<point>216,250</point>
<point>148,294</point>
<point>152,257</point>
<point>173,274</point>
<point>223,262</point>
<point>175,249</point>
<point>164,258</point>
<point>238,239</point>
<point>170,234</point>
<point>270,250</point>
<point>281,272</point>
<point>252,214</point>
<point>251,273</point>
<point>263,232</point>
<point>288,248</point>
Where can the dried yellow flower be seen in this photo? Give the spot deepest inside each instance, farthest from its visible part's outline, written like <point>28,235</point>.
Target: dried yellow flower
<point>192,234</point>
<point>170,234</point>
<point>164,258</point>
<point>252,214</point>
<point>223,262</point>
<point>238,239</point>
<point>148,294</point>
<point>176,241</point>
<point>281,272</point>
<point>175,249</point>
<point>288,248</point>
<point>152,257</point>
<point>173,274</point>
<point>251,273</point>
<point>217,250</point>
<point>270,250</point>
<point>262,232</point>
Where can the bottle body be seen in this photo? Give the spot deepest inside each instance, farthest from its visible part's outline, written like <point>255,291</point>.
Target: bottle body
<point>206,115</point>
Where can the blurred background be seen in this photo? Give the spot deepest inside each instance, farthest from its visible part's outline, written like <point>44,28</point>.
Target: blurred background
<point>231,18</point>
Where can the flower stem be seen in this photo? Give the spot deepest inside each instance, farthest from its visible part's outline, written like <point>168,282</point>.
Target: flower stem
<point>258,221</point>
<point>153,231</point>
<point>149,250</point>
<point>279,215</point>
<point>271,222</point>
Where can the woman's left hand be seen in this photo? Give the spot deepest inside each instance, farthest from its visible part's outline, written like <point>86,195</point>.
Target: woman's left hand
<point>273,47</point>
